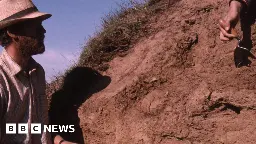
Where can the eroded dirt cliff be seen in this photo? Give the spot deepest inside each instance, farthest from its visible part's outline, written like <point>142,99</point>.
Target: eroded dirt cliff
<point>178,85</point>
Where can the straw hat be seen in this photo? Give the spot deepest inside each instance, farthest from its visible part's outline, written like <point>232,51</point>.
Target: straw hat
<point>13,11</point>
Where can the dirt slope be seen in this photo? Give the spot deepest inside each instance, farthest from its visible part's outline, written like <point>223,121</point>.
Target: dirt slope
<point>179,85</point>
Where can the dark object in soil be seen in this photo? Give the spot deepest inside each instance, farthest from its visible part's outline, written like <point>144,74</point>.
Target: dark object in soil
<point>79,85</point>
<point>242,53</point>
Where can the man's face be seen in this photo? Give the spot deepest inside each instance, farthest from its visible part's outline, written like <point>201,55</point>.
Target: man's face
<point>29,37</point>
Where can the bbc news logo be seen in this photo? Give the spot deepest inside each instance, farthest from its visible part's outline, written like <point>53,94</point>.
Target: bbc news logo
<point>37,128</point>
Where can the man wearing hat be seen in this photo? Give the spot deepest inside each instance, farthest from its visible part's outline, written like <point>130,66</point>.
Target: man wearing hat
<point>22,79</point>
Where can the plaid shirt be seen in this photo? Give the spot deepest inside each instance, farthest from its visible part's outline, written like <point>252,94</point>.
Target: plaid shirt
<point>23,100</point>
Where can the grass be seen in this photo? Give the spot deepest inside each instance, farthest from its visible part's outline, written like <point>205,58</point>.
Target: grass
<point>120,30</point>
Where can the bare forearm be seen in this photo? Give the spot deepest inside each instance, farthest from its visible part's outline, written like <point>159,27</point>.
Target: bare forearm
<point>230,20</point>
<point>234,12</point>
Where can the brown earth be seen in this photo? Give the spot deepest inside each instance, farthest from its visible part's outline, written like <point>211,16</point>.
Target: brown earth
<point>176,86</point>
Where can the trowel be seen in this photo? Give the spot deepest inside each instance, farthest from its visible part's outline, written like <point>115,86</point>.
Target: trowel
<point>241,53</point>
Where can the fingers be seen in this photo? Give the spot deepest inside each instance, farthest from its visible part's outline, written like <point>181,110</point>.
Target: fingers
<point>226,34</point>
<point>224,24</point>
<point>224,27</point>
<point>223,38</point>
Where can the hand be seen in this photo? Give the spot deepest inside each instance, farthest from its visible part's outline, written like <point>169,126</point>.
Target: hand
<point>67,142</point>
<point>230,21</point>
<point>58,138</point>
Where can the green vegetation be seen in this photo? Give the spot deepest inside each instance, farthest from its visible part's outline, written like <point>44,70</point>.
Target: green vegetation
<point>120,30</point>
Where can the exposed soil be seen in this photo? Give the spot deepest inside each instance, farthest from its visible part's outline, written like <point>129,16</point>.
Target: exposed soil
<point>179,85</point>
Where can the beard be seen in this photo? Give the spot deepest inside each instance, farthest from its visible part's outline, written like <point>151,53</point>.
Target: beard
<point>30,46</point>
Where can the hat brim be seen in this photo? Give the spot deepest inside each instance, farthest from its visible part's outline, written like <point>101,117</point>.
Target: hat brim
<point>33,15</point>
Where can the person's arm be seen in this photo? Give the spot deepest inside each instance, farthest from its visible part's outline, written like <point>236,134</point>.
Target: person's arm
<point>231,19</point>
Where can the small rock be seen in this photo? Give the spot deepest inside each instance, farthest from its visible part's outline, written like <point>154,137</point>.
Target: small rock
<point>100,110</point>
<point>154,79</point>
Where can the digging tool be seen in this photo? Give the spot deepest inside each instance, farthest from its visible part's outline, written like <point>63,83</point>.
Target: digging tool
<point>241,53</point>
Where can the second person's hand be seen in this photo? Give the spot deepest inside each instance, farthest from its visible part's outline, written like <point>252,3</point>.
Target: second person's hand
<point>230,21</point>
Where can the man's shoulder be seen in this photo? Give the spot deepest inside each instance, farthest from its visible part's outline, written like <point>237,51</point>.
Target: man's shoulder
<point>38,66</point>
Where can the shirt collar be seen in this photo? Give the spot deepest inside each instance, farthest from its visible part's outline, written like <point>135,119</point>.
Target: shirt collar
<point>13,67</point>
